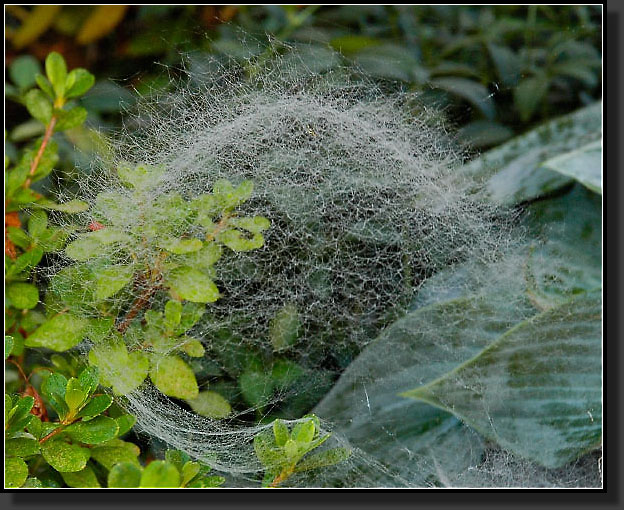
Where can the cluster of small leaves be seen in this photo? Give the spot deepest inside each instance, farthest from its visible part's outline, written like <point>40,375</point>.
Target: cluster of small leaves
<point>283,452</point>
<point>51,105</point>
<point>177,470</point>
<point>80,444</point>
<point>168,245</point>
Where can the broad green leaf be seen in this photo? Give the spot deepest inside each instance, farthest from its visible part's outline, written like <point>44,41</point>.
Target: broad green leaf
<point>74,394</point>
<point>172,376</point>
<point>256,387</point>
<point>21,447</point>
<point>84,248</point>
<point>125,423</point>
<point>124,475</point>
<point>97,430</point>
<point>65,457</point>
<point>159,473</point>
<point>15,472</point>
<point>122,371</point>
<point>25,262</point>
<point>191,313</point>
<point>583,164</point>
<point>84,478</point>
<point>72,206</point>
<point>139,176</point>
<point>18,237</point>
<point>182,246</point>
<point>280,432</point>
<point>190,471</point>
<point>211,404</point>
<point>237,241</point>
<point>45,85</point>
<point>23,71</point>
<point>68,119</point>
<point>23,296</point>
<point>95,406</point>
<point>323,459</point>
<point>193,285</point>
<point>528,95</point>
<point>470,90</point>
<point>206,482</point>
<point>266,449</point>
<point>53,388</point>
<point>284,328</point>
<point>115,451</point>
<point>512,172</point>
<point>89,377</point>
<point>37,223</point>
<point>205,258</point>
<point>569,262</point>
<point>61,332</point>
<point>38,105</point>
<point>484,133</point>
<point>111,280</point>
<point>81,81</point>
<point>303,432</point>
<point>173,313</point>
<point>56,70</point>
<point>193,347</point>
<point>536,391</point>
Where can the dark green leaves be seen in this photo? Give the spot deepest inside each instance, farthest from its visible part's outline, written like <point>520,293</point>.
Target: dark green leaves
<point>536,390</point>
<point>65,457</point>
<point>23,295</point>
<point>38,105</point>
<point>97,430</point>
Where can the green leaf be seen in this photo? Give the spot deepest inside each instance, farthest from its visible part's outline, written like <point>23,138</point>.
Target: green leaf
<point>280,432</point>
<point>303,432</point>
<point>528,95</point>
<point>114,452</point>
<point>172,376</point>
<point>111,280</point>
<point>23,71</point>
<point>323,459</point>
<point>237,241</point>
<point>193,285</point>
<point>255,224</point>
<point>95,406</point>
<point>191,313</point>
<point>53,388</point>
<point>211,404</point>
<point>8,346</point>
<point>61,332</point>
<point>267,451</point>
<point>173,313</point>
<point>182,246</point>
<point>56,69</point>
<point>193,348</point>
<point>537,390</point>
<point>512,172</point>
<point>23,296</point>
<point>140,176</point>
<point>83,248</point>
<point>189,471</point>
<point>72,206</point>
<point>18,237</point>
<point>97,430</point>
<point>470,90</point>
<point>284,328</point>
<point>508,64</point>
<point>88,377</point>
<point>124,372</point>
<point>37,223</point>
<point>68,119</point>
<point>15,472</point>
<point>124,475</point>
<point>84,478</point>
<point>125,423</point>
<point>45,85</point>
<point>21,447</point>
<point>256,387</point>
<point>74,394</point>
<point>65,457</point>
<point>81,81</point>
<point>158,474</point>
<point>38,105</point>
<point>583,164</point>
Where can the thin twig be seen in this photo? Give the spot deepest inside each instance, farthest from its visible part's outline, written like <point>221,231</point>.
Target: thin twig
<point>46,138</point>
